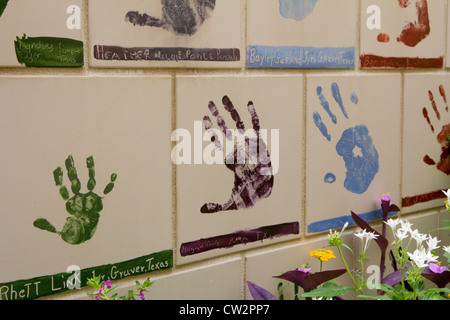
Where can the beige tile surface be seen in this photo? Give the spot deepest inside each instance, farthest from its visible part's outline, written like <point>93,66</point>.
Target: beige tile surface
<point>218,281</point>
<point>124,124</point>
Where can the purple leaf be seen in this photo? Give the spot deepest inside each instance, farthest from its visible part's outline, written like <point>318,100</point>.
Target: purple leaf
<point>309,281</point>
<point>380,240</point>
<point>259,293</point>
<point>395,277</point>
<point>439,279</point>
<point>394,208</point>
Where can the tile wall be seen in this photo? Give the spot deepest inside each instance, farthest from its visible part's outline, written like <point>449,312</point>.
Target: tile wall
<point>128,129</point>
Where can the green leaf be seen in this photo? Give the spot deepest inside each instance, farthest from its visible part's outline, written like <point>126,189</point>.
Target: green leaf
<point>435,291</point>
<point>382,297</point>
<point>327,292</point>
<point>447,255</point>
<point>396,294</point>
<point>346,246</point>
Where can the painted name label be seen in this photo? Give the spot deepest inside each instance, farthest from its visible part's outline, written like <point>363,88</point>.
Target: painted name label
<point>49,52</point>
<point>239,238</point>
<point>269,57</point>
<point>103,52</point>
<point>58,283</point>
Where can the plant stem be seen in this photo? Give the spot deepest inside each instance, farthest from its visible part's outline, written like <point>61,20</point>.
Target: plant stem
<point>348,271</point>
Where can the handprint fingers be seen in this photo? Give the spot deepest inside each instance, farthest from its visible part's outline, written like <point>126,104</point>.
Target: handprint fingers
<point>84,208</point>
<point>337,97</point>
<point>180,17</point>
<point>228,105</point>
<point>254,116</point>
<point>91,168</point>
<point>58,176</point>
<point>72,174</point>
<point>444,161</point>
<point>220,121</point>
<point>207,124</point>
<point>110,185</point>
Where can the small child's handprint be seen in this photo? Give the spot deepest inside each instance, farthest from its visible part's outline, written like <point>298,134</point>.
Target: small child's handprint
<point>444,162</point>
<point>413,32</point>
<point>3,4</point>
<point>83,207</point>
<point>297,9</point>
<point>249,160</point>
<point>355,145</point>
<point>178,16</point>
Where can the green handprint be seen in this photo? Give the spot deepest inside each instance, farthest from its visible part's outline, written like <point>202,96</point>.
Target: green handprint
<point>83,207</point>
<point>3,4</point>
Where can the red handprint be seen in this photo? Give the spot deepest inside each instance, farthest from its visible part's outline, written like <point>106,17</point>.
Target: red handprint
<point>412,33</point>
<point>444,162</point>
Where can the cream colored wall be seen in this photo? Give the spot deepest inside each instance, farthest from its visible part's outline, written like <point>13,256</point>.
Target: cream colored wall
<point>224,277</point>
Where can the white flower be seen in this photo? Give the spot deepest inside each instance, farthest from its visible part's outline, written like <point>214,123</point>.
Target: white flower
<point>447,249</point>
<point>368,236</point>
<point>419,237</point>
<point>447,202</point>
<point>360,234</point>
<point>447,193</point>
<point>401,234</point>
<point>406,225</point>
<point>432,243</point>
<point>393,223</point>
<point>422,258</point>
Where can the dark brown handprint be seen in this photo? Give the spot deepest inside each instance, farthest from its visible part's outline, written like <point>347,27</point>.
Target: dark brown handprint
<point>443,164</point>
<point>249,160</point>
<point>178,16</point>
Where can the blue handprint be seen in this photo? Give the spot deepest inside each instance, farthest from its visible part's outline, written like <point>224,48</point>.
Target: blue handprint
<point>361,168</point>
<point>297,9</point>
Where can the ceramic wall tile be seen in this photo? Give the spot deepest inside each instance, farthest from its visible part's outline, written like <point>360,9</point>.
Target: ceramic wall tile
<point>261,267</point>
<point>148,33</point>
<point>425,146</point>
<point>444,216</point>
<point>402,34</point>
<point>223,207</point>
<point>301,34</point>
<point>216,281</point>
<point>45,33</point>
<point>447,61</point>
<point>352,147</point>
<point>67,141</point>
